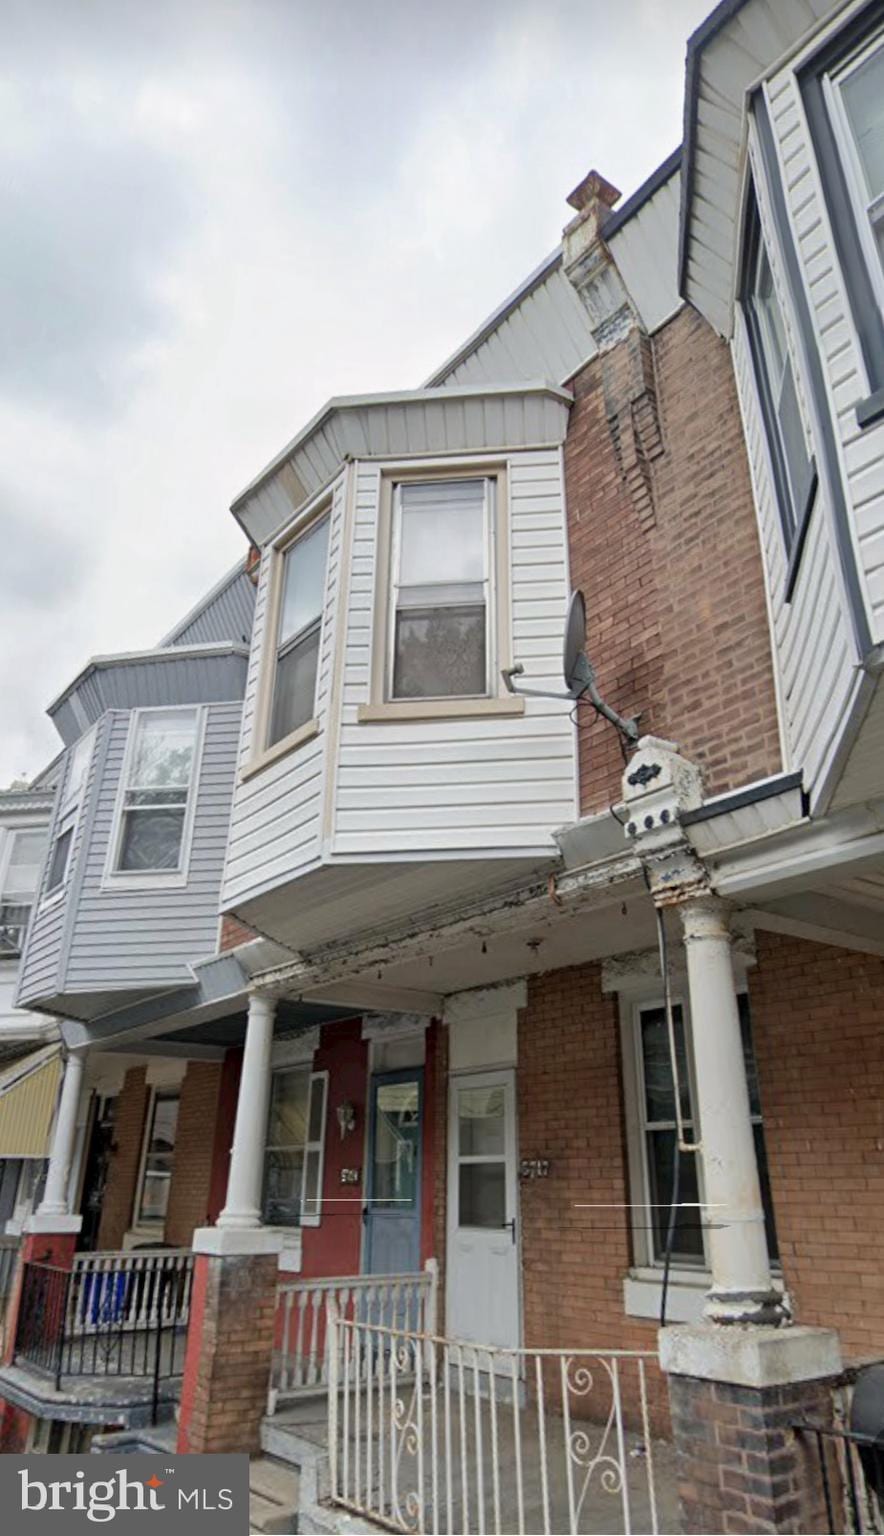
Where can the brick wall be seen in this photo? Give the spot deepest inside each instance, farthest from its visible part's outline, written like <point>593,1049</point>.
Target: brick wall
<point>233,933</point>
<point>666,551</point>
<point>570,1110</point>
<point>818,1026</point>
<point>119,1195</point>
<point>190,1191</point>
<point>229,1351</point>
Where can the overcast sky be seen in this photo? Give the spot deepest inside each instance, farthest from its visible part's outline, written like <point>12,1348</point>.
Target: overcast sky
<point>217,213</point>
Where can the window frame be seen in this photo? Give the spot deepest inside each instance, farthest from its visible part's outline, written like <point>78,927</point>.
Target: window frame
<point>154,879</point>
<point>382,706</point>
<point>862,284</point>
<point>262,755</point>
<point>140,1222</point>
<point>317,1146</point>
<point>632,1006</point>
<point>795,495</point>
<point>67,818</point>
<point>12,896</point>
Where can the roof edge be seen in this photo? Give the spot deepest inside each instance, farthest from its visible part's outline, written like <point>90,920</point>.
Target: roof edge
<point>172,653</point>
<point>718,18</point>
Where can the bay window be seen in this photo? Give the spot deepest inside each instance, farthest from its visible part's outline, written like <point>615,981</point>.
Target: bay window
<point>299,628</point>
<point>441,589</point>
<point>157,791</point>
<point>293,1160</point>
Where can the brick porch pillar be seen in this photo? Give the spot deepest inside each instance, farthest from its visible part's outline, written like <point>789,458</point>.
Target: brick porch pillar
<point>233,1303</point>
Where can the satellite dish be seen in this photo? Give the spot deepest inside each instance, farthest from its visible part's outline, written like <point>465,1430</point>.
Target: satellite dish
<point>578,673</point>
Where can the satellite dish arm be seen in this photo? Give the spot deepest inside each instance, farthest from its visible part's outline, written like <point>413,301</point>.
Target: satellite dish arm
<point>508,673</point>
<point>585,689</point>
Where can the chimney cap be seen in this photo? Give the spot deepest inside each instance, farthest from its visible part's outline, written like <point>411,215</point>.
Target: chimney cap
<point>591,191</point>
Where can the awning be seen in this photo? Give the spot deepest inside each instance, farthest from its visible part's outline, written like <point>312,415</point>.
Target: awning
<point>28,1091</point>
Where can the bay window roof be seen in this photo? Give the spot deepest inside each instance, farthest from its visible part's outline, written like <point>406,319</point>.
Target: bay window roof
<point>406,424</point>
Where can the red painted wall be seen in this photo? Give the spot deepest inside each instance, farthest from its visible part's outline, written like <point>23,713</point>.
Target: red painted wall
<point>334,1247</point>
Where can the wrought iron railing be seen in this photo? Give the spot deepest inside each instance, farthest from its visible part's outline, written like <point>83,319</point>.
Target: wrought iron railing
<point>850,1466</point>
<point>111,1315</point>
<point>300,1358</point>
<point>433,1434</point>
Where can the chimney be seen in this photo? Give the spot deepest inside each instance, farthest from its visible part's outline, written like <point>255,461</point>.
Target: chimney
<point>587,262</point>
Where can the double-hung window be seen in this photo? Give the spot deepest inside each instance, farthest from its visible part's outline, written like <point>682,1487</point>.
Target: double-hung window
<point>157,791</point>
<point>441,622</point>
<point>843,91</point>
<point>24,860</point>
<point>656,1125</point>
<point>794,471</point>
<point>857,98</point>
<point>302,590</point>
<point>159,1158</point>
<point>69,810</point>
<point>293,1159</point>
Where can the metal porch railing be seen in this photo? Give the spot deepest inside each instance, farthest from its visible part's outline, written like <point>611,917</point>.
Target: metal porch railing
<point>846,1461</point>
<point>113,1314</point>
<point>300,1359</point>
<point>434,1434</point>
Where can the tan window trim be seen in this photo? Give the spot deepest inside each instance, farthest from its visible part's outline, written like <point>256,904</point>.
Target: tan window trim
<point>380,708</point>
<point>261,755</point>
<point>290,743</point>
<point>439,709</point>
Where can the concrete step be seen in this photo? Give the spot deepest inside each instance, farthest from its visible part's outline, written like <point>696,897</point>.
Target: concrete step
<point>273,1497</point>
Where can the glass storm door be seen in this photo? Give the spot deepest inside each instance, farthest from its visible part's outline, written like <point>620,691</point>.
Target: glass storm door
<point>482,1302</point>
<point>393,1210</point>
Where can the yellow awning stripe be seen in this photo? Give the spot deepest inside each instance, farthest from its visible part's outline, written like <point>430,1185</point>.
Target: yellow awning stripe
<point>27,1104</point>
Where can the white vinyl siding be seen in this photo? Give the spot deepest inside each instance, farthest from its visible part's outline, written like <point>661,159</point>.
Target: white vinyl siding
<point>855,96</point>
<point>861,450</point>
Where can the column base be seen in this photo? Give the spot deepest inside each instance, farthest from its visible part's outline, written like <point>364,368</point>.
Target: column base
<point>736,1394</point>
<point>232,1241</point>
<point>46,1222</point>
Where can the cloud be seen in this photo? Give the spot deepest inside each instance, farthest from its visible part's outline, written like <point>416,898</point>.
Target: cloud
<point>224,211</point>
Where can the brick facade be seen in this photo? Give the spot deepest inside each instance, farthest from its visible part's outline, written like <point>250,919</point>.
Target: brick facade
<point>663,541</point>
<point>818,1026</point>
<point>570,1110</point>
<point>190,1191</point>
<point>234,933</point>
<point>122,1179</point>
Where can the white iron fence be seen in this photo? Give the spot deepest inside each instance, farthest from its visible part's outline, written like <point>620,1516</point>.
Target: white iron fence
<point>130,1289</point>
<point>300,1361</point>
<point>436,1435</point>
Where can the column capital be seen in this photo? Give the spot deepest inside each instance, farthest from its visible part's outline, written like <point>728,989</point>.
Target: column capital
<point>263,1005</point>
<point>706,917</point>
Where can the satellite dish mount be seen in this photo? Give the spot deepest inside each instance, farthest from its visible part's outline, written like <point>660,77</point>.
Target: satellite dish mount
<point>578,672</point>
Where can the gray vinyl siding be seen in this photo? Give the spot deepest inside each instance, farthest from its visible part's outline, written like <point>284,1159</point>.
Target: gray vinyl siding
<point>41,966</point>
<point>156,680</point>
<point>126,938</point>
<point>226,614</point>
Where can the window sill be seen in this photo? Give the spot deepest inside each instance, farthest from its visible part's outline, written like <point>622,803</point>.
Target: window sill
<point>871,410</point>
<point>146,880</point>
<point>290,743</point>
<point>438,709</point>
<point>52,900</point>
<point>643,1294</point>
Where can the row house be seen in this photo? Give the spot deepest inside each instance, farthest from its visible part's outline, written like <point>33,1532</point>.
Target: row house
<point>551,990</point>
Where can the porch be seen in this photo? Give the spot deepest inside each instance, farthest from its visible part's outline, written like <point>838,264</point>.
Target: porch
<point>102,1341</point>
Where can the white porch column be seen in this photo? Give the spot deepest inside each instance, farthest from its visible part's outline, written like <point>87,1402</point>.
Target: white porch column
<point>242,1207</point>
<point>742,1290</point>
<point>54,1204</point>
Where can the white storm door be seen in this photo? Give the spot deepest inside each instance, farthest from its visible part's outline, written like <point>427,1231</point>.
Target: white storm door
<point>482,1293</point>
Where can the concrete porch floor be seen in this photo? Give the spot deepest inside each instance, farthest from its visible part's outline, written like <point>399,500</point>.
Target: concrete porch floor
<point>597,1497</point>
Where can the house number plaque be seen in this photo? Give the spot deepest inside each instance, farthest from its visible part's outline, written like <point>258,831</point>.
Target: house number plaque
<point>350,1175</point>
<point>534,1168</point>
